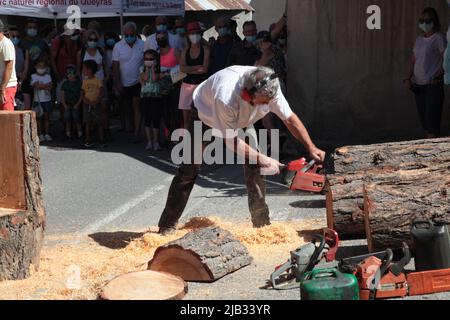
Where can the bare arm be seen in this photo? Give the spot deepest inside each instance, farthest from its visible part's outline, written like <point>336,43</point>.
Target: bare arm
<point>298,130</point>
<point>26,66</point>
<point>275,33</point>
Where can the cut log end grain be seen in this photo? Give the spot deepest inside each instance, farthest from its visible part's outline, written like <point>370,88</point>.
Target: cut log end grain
<point>145,285</point>
<point>205,255</point>
<point>22,214</point>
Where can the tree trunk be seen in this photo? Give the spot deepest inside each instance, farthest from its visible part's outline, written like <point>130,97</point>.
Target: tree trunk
<point>389,157</point>
<point>22,214</point>
<point>395,200</point>
<point>356,164</point>
<point>202,256</point>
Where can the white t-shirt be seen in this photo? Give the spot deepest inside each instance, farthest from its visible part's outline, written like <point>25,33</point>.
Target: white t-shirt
<point>220,106</point>
<point>100,74</point>
<point>130,59</point>
<point>174,42</point>
<point>428,53</point>
<point>41,95</point>
<point>8,53</point>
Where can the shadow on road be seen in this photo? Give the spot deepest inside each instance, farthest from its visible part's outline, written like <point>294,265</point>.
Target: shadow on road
<point>115,240</point>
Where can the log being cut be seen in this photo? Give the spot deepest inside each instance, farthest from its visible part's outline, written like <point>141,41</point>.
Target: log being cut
<point>395,200</point>
<point>205,255</point>
<point>355,165</point>
<point>22,214</point>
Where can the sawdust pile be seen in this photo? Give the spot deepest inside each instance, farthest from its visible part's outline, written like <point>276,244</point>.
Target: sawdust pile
<point>108,255</point>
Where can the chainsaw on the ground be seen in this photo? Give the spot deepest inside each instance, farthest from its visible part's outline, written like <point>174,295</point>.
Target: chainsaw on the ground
<point>303,175</point>
<point>321,251</point>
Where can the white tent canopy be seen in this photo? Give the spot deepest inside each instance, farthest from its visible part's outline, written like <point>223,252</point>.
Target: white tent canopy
<point>62,9</point>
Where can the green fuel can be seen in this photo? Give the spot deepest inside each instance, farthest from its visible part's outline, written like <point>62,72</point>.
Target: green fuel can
<point>329,284</point>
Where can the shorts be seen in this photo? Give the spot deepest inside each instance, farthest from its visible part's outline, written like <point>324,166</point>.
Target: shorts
<point>72,114</point>
<point>131,92</point>
<point>10,94</point>
<point>46,106</point>
<point>90,114</point>
<point>186,96</point>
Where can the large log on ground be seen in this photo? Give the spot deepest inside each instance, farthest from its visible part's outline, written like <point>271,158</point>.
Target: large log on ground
<point>394,156</point>
<point>397,199</point>
<point>22,214</point>
<point>205,255</point>
<point>356,164</point>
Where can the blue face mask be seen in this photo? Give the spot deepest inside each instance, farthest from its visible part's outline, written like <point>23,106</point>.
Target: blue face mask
<point>92,44</point>
<point>251,39</point>
<point>15,41</point>
<point>223,32</point>
<point>130,39</point>
<point>32,32</point>
<point>180,30</point>
<point>110,42</point>
<point>161,27</point>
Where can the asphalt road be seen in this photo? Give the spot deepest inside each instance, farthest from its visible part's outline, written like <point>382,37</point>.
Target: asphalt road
<point>123,187</point>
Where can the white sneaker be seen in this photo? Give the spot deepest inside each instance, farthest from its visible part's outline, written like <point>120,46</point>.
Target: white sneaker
<point>48,138</point>
<point>149,146</point>
<point>41,138</point>
<point>156,146</point>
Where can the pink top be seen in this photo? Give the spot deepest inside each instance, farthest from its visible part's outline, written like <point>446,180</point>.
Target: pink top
<point>169,60</point>
<point>428,53</point>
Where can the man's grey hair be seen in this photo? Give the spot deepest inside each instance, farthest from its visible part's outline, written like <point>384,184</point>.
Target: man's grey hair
<point>255,79</point>
<point>130,25</point>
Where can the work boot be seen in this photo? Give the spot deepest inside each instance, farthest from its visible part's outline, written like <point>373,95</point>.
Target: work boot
<point>167,231</point>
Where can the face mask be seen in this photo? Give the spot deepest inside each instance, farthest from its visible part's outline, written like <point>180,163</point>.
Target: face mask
<point>92,44</point>
<point>223,32</point>
<point>195,38</point>
<point>130,39</point>
<point>41,71</point>
<point>251,39</point>
<point>74,38</point>
<point>180,30</point>
<point>426,27</point>
<point>32,32</point>
<point>149,63</point>
<point>110,42</point>
<point>162,43</point>
<point>161,27</point>
<point>15,41</point>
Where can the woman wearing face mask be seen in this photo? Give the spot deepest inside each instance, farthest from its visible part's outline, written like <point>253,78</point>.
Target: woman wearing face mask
<point>425,76</point>
<point>170,59</point>
<point>195,63</point>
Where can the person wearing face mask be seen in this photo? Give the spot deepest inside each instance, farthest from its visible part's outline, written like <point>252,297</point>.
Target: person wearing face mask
<point>128,57</point>
<point>169,61</point>
<point>195,63</point>
<point>230,101</point>
<point>162,25</point>
<point>222,46</point>
<point>22,56</point>
<point>38,50</point>
<point>92,52</point>
<point>245,53</point>
<point>179,30</point>
<point>426,73</point>
<point>41,81</point>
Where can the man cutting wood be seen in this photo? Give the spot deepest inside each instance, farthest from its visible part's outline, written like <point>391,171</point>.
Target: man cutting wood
<point>232,100</point>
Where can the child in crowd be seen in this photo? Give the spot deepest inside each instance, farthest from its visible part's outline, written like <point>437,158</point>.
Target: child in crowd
<point>151,98</point>
<point>41,81</point>
<point>71,101</point>
<point>92,93</point>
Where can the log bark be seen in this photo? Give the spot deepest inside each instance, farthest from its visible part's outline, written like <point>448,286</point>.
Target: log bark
<point>355,165</point>
<point>395,200</point>
<point>205,255</point>
<point>22,213</point>
<point>389,157</point>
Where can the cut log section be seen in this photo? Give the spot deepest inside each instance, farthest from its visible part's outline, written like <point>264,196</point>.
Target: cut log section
<point>389,157</point>
<point>205,255</point>
<point>145,285</point>
<point>22,214</point>
<point>355,165</point>
<point>395,200</point>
